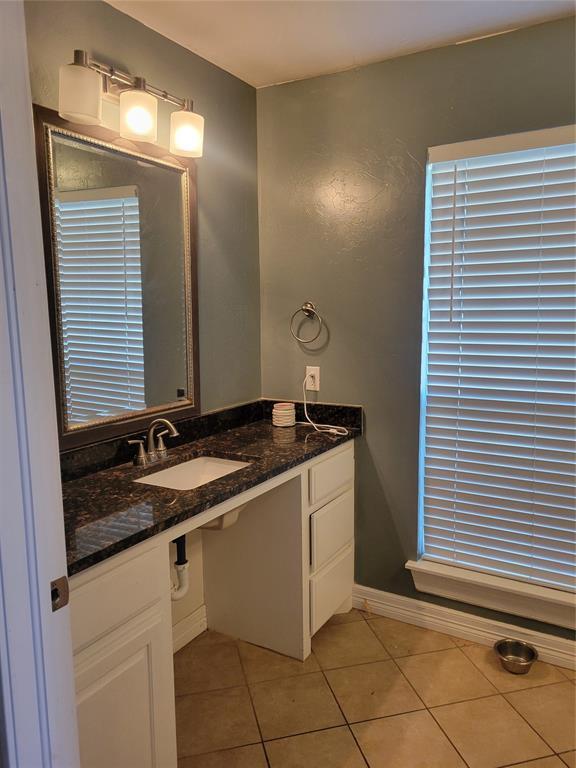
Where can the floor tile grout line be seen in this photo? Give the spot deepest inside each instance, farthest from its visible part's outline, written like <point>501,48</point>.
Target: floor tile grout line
<point>304,733</point>
<point>427,709</point>
<point>450,741</point>
<point>222,749</point>
<point>500,695</point>
<point>347,724</point>
<point>514,690</point>
<point>528,723</point>
<point>534,760</point>
<point>252,705</point>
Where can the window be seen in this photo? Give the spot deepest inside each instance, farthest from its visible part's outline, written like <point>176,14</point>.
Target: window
<point>498,402</point>
<point>98,234</point>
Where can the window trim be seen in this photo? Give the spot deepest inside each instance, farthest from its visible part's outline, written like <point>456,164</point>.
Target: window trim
<point>512,596</point>
<point>512,142</point>
<point>553,606</point>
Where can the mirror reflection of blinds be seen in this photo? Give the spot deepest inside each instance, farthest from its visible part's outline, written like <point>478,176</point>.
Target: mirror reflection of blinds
<point>99,267</point>
<point>497,437</point>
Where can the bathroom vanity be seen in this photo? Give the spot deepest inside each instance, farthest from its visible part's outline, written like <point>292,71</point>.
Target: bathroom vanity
<point>272,578</point>
<point>119,220</point>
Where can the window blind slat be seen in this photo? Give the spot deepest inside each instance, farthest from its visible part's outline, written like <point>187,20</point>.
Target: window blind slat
<point>498,438</point>
<point>100,286</point>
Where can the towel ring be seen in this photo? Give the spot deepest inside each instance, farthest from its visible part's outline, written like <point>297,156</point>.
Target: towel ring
<point>308,309</point>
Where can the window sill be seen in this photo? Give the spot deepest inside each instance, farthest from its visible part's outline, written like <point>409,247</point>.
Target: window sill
<point>552,606</point>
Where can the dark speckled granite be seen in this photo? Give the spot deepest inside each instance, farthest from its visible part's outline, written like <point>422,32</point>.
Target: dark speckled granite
<point>105,513</point>
<point>349,416</point>
<point>80,462</point>
<point>111,453</point>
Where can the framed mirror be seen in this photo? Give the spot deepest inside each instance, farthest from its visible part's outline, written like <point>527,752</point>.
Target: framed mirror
<point>119,222</point>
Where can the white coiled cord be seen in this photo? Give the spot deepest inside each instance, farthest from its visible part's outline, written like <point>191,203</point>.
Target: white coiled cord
<point>328,428</point>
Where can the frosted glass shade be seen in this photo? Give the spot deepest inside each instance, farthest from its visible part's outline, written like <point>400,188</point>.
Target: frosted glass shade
<point>186,133</point>
<point>138,115</point>
<point>80,95</point>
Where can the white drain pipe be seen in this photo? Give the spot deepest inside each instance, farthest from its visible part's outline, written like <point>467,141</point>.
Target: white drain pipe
<point>181,565</point>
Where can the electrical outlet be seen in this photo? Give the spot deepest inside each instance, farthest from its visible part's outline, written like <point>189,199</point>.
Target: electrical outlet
<point>313,380</point>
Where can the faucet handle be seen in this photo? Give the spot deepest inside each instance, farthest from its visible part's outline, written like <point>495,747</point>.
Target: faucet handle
<point>140,460</point>
<point>161,450</point>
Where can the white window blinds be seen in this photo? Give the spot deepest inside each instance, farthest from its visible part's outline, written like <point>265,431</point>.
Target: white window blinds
<point>100,281</point>
<point>497,424</point>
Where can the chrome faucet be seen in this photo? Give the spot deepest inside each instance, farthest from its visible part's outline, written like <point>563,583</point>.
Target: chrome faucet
<point>156,451</point>
<point>153,451</point>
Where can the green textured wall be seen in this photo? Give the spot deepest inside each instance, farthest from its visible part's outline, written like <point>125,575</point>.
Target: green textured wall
<point>227,180</point>
<point>341,184</point>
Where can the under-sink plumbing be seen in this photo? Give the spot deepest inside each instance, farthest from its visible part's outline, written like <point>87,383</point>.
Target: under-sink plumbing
<point>181,565</point>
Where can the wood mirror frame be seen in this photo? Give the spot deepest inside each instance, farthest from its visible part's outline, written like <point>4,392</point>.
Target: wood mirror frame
<point>46,120</point>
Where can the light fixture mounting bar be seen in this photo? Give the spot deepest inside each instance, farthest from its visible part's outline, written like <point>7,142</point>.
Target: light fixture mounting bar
<point>127,80</point>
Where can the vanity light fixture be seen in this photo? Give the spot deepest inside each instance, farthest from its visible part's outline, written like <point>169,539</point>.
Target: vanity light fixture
<point>138,113</point>
<point>186,131</point>
<point>80,91</point>
<point>83,83</point>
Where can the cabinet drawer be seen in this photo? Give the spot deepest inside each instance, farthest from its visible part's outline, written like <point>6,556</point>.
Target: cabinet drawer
<point>115,593</point>
<point>330,587</point>
<point>330,476</point>
<point>331,528</point>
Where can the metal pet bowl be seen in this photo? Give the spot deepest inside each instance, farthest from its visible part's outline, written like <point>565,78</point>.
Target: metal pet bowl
<point>516,656</point>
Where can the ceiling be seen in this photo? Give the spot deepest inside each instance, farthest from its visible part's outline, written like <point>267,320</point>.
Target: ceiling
<point>274,41</point>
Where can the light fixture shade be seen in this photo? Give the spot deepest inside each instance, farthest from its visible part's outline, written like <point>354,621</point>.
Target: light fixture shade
<point>186,133</point>
<point>138,115</point>
<point>80,94</point>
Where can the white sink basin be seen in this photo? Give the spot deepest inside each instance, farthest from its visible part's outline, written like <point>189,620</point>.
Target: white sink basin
<point>193,473</point>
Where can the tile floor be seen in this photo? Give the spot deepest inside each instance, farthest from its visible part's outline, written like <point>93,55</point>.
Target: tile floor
<point>375,692</point>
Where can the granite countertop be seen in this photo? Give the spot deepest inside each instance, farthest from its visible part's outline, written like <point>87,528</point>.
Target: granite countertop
<point>106,512</point>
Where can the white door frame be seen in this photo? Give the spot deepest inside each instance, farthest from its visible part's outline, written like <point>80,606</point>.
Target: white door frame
<point>37,710</point>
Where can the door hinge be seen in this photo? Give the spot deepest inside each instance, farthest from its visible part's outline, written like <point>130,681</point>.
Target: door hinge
<point>60,592</point>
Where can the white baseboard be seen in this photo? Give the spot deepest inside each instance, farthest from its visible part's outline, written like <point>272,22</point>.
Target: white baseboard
<point>555,650</point>
<point>188,628</point>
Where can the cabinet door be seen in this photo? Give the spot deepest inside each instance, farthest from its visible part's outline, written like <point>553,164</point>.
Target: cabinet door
<point>330,587</point>
<point>125,697</point>
<point>328,477</point>
<point>331,528</point>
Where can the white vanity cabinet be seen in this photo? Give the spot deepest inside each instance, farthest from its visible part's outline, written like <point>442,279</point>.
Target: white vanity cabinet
<point>275,577</point>
<point>272,578</point>
<point>331,507</point>
<point>122,639</point>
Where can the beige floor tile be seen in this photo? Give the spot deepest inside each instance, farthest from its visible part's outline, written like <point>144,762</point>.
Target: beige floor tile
<point>461,642</point>
<point>444,677</point>
<point>369,691</point>
<point>207,722</point>
<point>551,711</point>
<point>402,639</point>
<point>295,705</point>
<point>207,668</point>
<point>489,664</point>
<point>412,740</point>
<point>242,757</point>
<point>334,748</point>
<point>543,762</point>
<point>489,733</point>
<point>346,618</point>
<point>210,637</point>
<point>569,758</point>
<point>569,673</point>
<point>342,645</point>
<point>262,664</point>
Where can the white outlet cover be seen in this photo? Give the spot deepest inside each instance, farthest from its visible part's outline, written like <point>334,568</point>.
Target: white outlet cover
<point>313,385</point>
